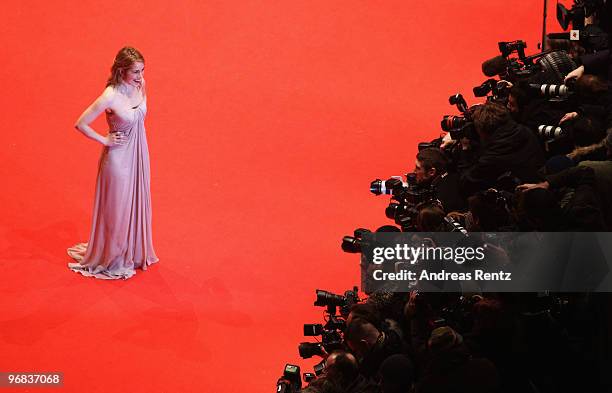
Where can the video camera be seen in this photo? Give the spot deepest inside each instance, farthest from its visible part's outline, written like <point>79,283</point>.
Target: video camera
<point>549,66</point>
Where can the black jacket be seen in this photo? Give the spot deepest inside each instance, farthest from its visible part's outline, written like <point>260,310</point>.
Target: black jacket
<point>602,171</point>
<point>456,371</point>
<point>601,63</point>
<point>511,148</point>
<point>391,345</point>
<point>448,192</point>
<point>580,200</point>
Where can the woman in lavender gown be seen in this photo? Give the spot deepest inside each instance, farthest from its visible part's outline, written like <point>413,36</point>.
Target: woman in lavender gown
<point>120,240</point>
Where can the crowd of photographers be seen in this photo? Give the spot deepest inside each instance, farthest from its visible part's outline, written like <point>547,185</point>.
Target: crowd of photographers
<point>536,156</point>
<point>495,342</point>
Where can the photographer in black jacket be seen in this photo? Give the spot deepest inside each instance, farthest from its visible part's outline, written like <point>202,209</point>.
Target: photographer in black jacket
<point>372,345</point>
<point>599,63</point>
<point>431,169</point>
<point>506,146</point>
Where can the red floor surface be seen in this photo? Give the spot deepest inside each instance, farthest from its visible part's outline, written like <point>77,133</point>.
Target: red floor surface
<point>266,122</point>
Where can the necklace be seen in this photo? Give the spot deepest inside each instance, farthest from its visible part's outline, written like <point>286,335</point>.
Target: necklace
<point>124,89</point>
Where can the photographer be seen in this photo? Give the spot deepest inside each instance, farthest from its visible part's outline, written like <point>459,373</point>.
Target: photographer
<point>341,375</point>
<point>488,212</point>
<point>599,63</point>
<point>397,374</point>
<point>431,169</point>
<point>451,367</point>
<point>506,146</point>
<point>580,207</point>
<point>587,116</point>
<point>531,111</point>
<point>371,345</point>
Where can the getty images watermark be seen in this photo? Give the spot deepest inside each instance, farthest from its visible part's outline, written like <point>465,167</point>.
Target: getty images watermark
<point>486,262</point>
<point>403,255</point>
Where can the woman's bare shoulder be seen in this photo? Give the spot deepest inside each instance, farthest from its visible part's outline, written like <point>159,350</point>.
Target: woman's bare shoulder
<point>108,96</point>
<point>109,93</point>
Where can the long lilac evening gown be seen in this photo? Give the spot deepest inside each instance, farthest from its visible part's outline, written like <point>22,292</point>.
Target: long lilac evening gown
<point>120,239</point>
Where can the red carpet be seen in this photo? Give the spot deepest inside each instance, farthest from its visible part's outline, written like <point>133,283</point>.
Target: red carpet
<point>266,122</point>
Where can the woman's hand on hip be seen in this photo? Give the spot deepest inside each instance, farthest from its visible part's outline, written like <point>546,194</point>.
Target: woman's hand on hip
<point>115,139</point>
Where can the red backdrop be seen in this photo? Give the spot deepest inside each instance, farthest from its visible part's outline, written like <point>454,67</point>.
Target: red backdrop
<point>267,120</point>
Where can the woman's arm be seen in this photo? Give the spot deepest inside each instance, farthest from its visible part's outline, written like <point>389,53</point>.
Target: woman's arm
<point>99,105</point>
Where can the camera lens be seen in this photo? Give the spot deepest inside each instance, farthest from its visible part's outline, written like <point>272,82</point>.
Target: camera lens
<point>351,244</point>
<point>308,350</point>
<point>376,187</point>
<point>450,122</point>
<point>325,298</point>
<point>551,132</point>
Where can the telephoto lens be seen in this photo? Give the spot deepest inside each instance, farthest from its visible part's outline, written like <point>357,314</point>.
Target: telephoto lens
<point>325,298</point>
<point>455,226</point>
<point>551,132</point>
<point>550,90</point>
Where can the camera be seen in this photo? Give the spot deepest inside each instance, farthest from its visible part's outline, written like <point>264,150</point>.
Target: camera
<point>453,122</point>
<point>331,332</point>
<point>291,380</point>
<point>507,48</point>
<point>459,126</point>
<point>435,144</point>
<point>499,90</point>
<point>454,226</point>
<point>331,339</point>
<point>551,132</point>
<point>405,197</point>
<point>413,193</point>
<point>551,90</point>
<point>556,140</point>
<point>331,300</point>
<point>403,208</point>
<point>548,66</point>
<point>354,244</point>
<point>309,377</point>
<point>319,368</point>
<point>388,187</point>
